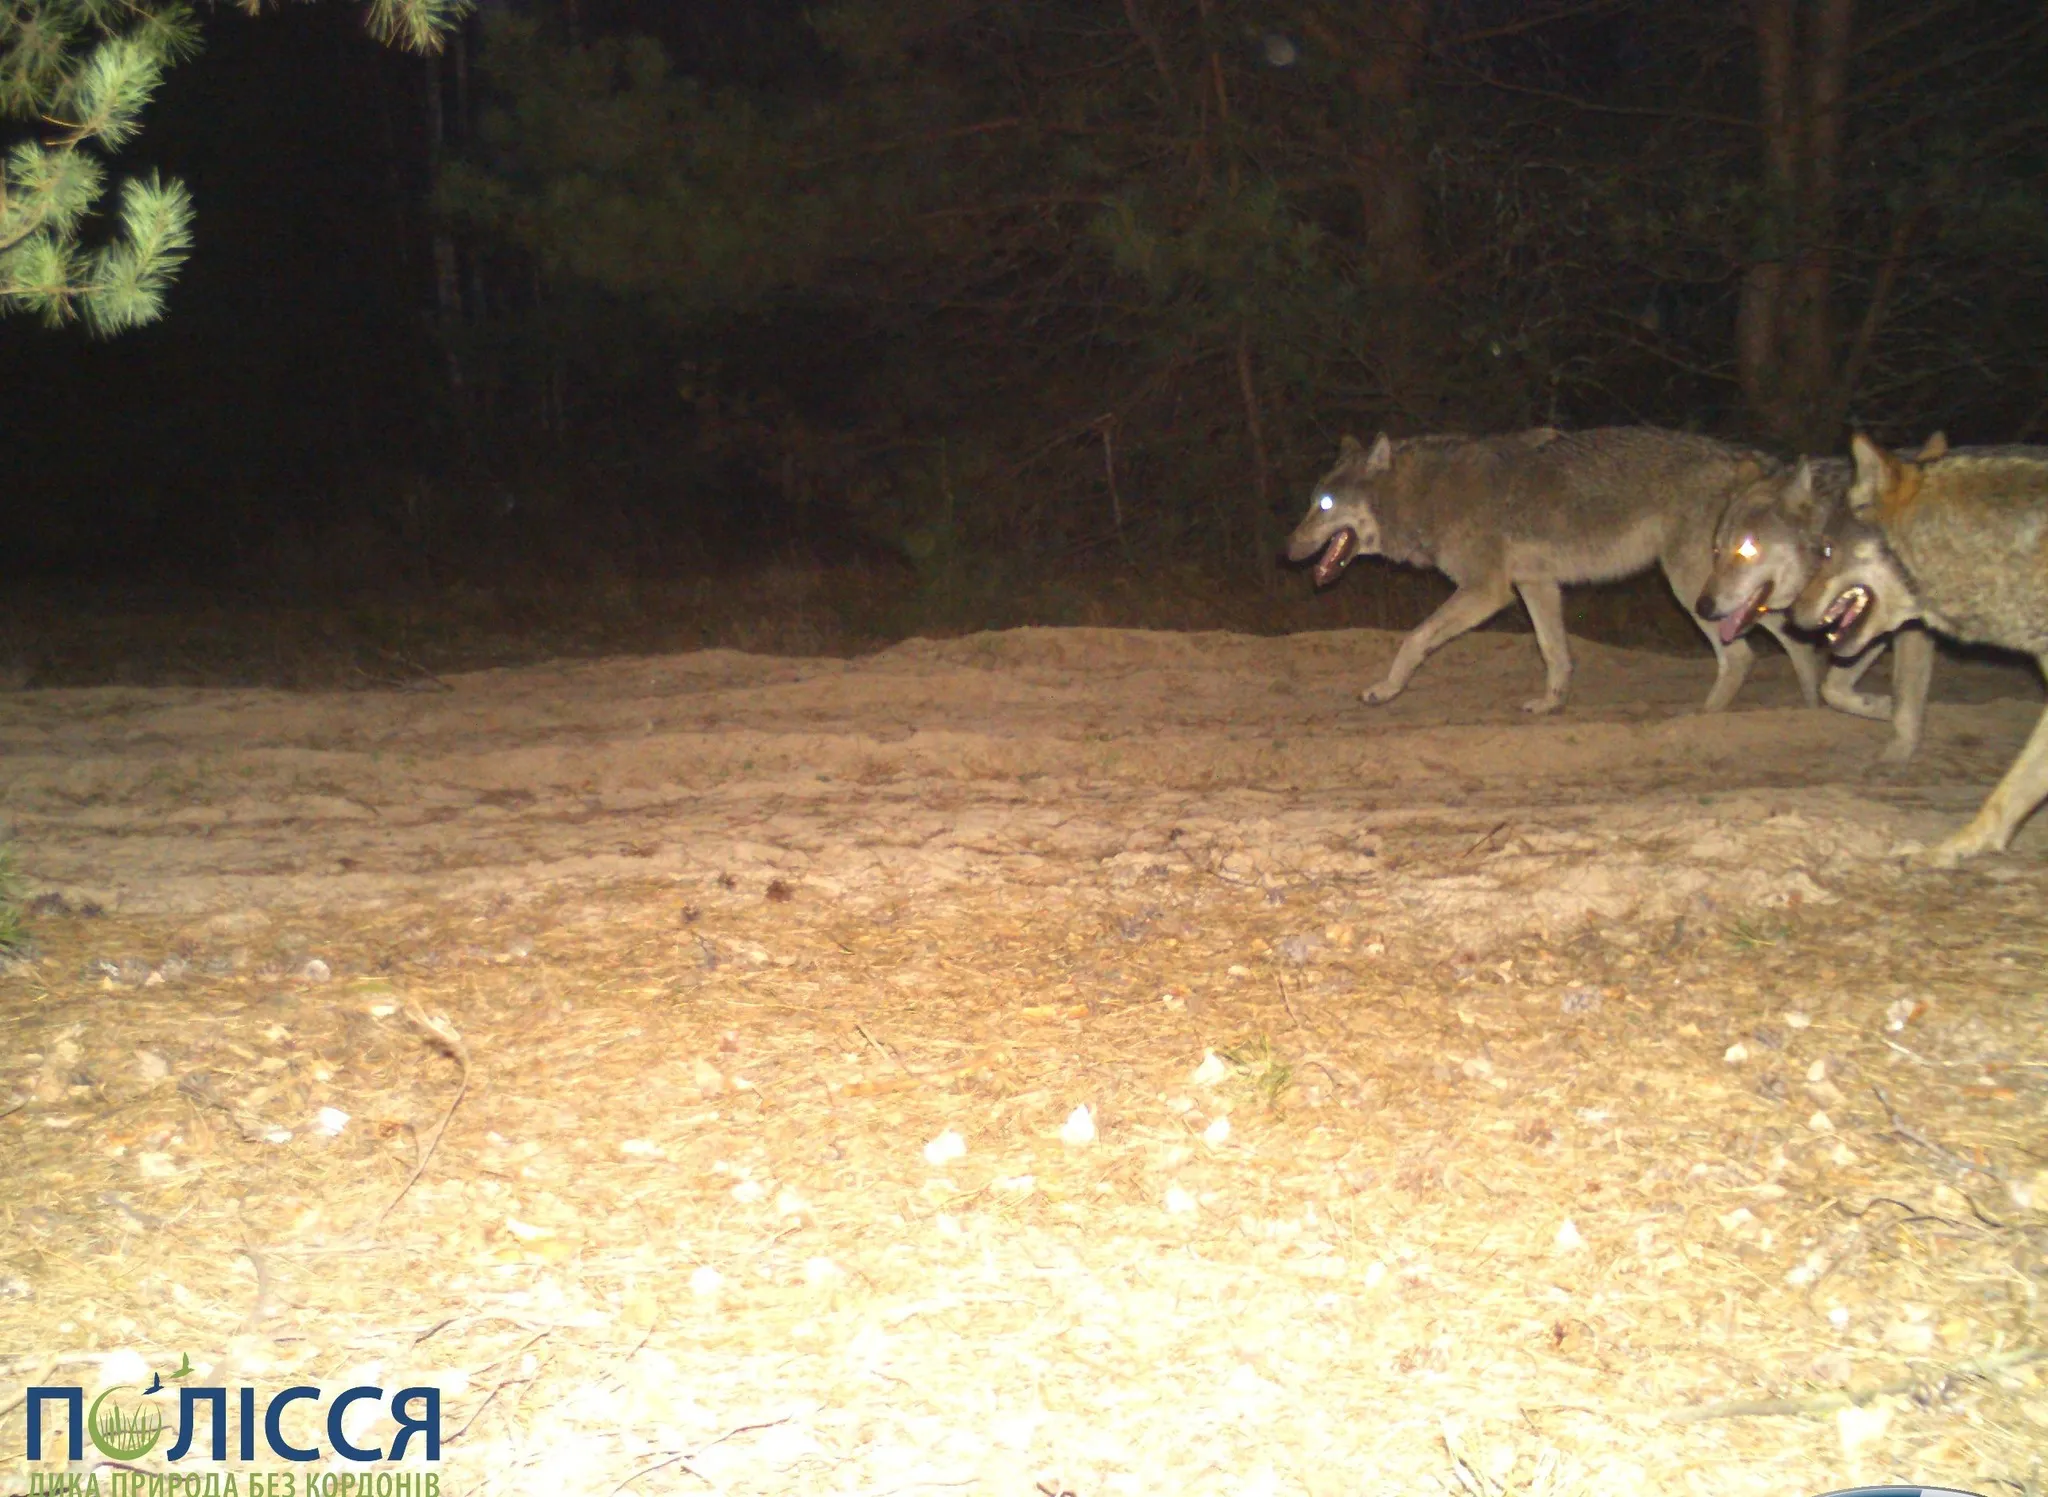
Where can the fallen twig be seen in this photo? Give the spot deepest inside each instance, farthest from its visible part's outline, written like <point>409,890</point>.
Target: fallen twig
<point>887,1054</point>
<point>442,1030</point>
<point>683,1457</point>
<point>1828,1403</point>
<point>1899,1127</point>
<point>1499,827</point>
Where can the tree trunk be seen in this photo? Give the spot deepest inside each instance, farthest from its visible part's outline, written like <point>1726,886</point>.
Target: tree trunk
<point>1390,182</point>
<point>1254,421</point>
<point>447,263</point>
<point>1758,357</point>
<point>1785,329</point>
<point>1811,335</point>
<point>1146,32</point>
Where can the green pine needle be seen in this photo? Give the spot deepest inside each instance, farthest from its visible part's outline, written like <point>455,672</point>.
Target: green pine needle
<point>82,72</point>
<point>129,277</point>
<point>47,191</point>
<point>110,91</point>
<point>40,275</point>
<point>416,25</point>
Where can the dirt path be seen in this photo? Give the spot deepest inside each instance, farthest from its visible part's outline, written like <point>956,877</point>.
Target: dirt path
<point>1567,1067</point>
<point>1026,758</point>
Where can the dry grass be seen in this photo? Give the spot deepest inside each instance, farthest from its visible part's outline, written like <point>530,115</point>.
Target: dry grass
<point>1530,1226</point>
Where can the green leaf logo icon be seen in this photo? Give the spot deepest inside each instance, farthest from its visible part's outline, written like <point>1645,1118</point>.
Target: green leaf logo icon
<point>124,1434</point>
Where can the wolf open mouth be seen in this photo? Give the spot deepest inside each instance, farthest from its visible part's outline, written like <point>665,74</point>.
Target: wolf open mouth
<point>1336,556</point>
<point>1732,624</point>
<point>1845,613</point>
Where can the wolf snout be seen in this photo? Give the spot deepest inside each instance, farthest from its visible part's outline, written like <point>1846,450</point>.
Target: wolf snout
<point>1302,548</point>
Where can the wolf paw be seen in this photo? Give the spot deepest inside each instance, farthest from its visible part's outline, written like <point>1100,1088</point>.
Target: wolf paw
<point>1373,696</point>
<point>1860,704</point>
<point>1951,851</point>
<point>1897,754</point>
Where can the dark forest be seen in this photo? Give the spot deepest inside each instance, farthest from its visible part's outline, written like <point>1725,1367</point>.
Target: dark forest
<point>962,314</point>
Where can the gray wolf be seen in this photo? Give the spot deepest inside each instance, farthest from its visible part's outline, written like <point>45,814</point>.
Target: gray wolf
<point>1765,550</point>
<point>1961,542</point>
<point>1529,512</point>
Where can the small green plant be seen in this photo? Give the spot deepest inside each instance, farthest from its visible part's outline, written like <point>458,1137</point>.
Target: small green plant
<point>13,932</point>
<point>1753,933</point>
<point>1263,1072</point>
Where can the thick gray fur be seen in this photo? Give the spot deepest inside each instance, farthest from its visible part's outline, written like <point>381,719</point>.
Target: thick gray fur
<point>1960,542</point>
<point>1530,512</point>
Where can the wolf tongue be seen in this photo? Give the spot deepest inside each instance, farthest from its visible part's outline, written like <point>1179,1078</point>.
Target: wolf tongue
<point>1732,624</point>
<point>1845,613</point>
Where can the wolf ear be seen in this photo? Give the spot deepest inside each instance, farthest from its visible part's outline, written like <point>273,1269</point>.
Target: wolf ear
<point>1798,493</point>
<point>1877,475</point>
<point>1934,447</point>
<point>1381,457</point>
<point>1349,448</point>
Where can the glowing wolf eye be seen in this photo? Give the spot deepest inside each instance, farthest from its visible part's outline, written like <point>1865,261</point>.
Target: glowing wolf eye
<point>1326,502</point>
<point>1748,549</point>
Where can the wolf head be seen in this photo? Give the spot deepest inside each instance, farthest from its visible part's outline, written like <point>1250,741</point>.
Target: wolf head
<point>1858,590</point>
<point>1340,523</point>
<point>1764,550</point>
<point>1769,543</point>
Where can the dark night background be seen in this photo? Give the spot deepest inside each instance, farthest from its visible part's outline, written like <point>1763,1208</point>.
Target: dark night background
<point>297,356</point>
<point>648,325</point>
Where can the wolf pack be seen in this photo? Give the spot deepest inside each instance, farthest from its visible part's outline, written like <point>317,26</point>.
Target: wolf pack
<point>1833,556</point>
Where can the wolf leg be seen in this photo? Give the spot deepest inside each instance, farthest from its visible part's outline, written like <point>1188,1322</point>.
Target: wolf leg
<point>1685,567</point>
<point>2006,807</point>
<point>1731,665</point>
<point>1467,608</point>
<point>1545,602</point>
<point>1912,675</point>
<point>1807,662</point>
<point>1839,690</point>
<point>1731,669</point>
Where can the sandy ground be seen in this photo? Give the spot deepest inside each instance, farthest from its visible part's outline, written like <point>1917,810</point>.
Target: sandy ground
<point>1597,1103</point>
